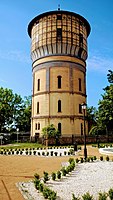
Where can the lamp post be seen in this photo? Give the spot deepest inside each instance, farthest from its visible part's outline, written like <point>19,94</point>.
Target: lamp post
<point>85,149</point>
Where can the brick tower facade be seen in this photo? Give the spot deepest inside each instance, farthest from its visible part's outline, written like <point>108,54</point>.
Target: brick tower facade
<point>59,53</point>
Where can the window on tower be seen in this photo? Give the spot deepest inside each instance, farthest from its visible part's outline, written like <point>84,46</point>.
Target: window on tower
<point>38,126</point>
<point>59,105</point>
<point>59,81</point>
<point>80,86</point>
<point>80,39</point>
<point>59,127</point>
<point>37,107</point>
<point>80,108</point>
<point>38,85</point>
<point>59,33</point>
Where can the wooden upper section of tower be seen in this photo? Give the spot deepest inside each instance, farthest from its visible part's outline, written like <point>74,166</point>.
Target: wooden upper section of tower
<point>59,33</point>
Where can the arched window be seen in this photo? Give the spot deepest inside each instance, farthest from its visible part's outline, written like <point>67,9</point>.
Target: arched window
<point>59,105</point>
<point>59,127</point>
<point>59,81</point>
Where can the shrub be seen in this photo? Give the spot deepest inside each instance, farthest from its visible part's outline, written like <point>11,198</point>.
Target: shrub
<point>46,177</point>
<point>36,176</point>
<point>68,169</point>
<point>52,195</point>
<point>76,160</point>
<point>53,176</point>
<point>87,196</point>
<point>71,160</point>
<point>51,153</point>
<point>88,159</point>
<point>107,158</point>
<point>64,172</point>
<point>43,153</point>
<point>101,158</point>
<point>71,151</point>
<point>46,191</point>
<point>81,160</point>
<point>110,193</point>
<point>72,165</point>
<point>58,174</point>
<point>36,183</point>
<point>41,187</point>
<point>95,158</point>
<point>102,196</point>
<point>92,159</point>
<point>55,153</point>
<point>75,198</point>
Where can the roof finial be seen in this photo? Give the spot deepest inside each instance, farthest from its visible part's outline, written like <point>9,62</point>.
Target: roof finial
<point>58,6</point>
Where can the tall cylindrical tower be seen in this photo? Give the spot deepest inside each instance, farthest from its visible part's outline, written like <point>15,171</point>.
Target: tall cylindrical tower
<point>59,53</point>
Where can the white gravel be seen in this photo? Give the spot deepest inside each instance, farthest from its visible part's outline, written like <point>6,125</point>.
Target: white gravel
<point>87,177</point>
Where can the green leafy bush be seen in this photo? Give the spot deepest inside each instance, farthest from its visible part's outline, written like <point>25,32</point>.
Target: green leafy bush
<point>36,176</point>
<point>53,175</point>
<point>87,196</point>
<point>41,187</point>
<point>58,174</point>
<point>76,160</point>
<point>107,158</point>
<point>36,183</point>
<point>71,160</point>
<point>46,177</point>
<point>110,193</point>
<point>102,196</point>
<point>101,158</point>
<point>75,198</point>
<point>64,172</point>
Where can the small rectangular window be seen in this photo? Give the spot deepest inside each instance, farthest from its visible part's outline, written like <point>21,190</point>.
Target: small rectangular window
<point>59,17</point>
<point>59,81</point>
<point>38,86</point>
<point>80,88</point>
<point>59,105</point>
<point>80,108</point>
<point>37,107</point>
<point>36,126</point>
<point>59,33</point>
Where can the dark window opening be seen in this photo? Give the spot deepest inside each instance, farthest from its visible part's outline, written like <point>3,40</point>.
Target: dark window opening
<point>59,105</point>
<point>37,107</point>
<point>59,17</point>
<point>59,81</point>
<point>80,52</point>
<point>80,108</point>
<point>38,126</point>
<point>38,85</point>
<point>59,33</point>
<point>80,86</point>
<point>59,127</point>
<point>80,39</point>
<point>81,129</point>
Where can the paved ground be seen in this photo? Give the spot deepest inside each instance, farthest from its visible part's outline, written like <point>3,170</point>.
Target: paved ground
<point>15,169</point>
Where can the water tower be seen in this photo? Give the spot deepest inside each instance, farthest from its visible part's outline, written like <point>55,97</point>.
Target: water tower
<point>59,53</point>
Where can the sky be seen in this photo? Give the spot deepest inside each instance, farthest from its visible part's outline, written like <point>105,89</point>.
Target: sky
<point>15,61</point>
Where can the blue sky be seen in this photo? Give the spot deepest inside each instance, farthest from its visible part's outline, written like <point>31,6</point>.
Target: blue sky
<point>15,62</point>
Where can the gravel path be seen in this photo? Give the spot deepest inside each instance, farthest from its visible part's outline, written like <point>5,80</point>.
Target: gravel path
<point>87,177</point>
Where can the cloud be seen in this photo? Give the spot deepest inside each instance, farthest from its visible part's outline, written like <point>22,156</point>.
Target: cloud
<point>1,80</point>
<point>99,63</point>
<point>15,56</point>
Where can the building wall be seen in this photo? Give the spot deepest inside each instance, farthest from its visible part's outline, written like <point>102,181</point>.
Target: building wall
<point>59,48</point>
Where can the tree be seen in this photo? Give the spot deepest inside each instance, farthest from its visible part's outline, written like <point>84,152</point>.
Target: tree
<point>23,120</point>
<point>105,108</point>
<point>10,105</point>
<point>50,132</point>
<point>91,117</point>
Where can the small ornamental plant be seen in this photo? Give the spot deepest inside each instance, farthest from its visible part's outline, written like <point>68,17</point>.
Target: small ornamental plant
<point>107,158</point>
<point>75,198</point>
<point>46,177</point>
<point>53,175</point>
<point>101,158</point>
<point>36,176</point>
<point>64,172</point>
<point>58,174</point>
<point>87,196</point>
<point>71,160</point>
<point>102,196</point>
<point>110,193</point>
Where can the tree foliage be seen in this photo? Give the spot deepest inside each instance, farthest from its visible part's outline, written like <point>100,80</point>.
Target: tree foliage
<point>14,111</point>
